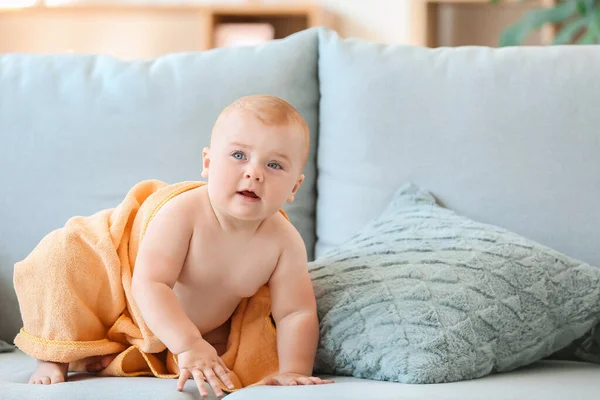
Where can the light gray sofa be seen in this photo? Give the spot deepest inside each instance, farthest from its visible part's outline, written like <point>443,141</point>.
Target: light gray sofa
<point>505,136</point>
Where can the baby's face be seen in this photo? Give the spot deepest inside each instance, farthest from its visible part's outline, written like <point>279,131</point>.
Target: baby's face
<point>252,168</point>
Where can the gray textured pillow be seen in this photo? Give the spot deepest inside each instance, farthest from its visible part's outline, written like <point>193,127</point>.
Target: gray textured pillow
<point>423,295</point>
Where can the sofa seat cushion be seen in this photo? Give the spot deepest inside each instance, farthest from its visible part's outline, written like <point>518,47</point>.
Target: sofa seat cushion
<point>546,380</point>
<point>16,368</point>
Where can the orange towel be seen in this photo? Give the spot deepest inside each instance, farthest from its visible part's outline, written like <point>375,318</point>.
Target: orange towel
<point>74,292</point>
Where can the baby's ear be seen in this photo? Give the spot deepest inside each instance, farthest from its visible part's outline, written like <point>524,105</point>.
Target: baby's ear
<point>205,162</point>
<point>296,187</point>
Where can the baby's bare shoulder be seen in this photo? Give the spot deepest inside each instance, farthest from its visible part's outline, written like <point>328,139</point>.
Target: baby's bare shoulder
<point>180,211</point>
<point>284,232</point>
<point>185,204</point>
<point>165,244</point>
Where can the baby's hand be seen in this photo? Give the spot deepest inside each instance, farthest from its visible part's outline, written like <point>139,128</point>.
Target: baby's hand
<point>291,379</point>
<point>201,361</point>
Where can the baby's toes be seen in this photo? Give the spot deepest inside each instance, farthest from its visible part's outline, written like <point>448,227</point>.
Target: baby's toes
<point>57,378</point>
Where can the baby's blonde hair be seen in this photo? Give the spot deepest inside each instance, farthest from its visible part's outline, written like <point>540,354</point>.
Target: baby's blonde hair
<point>271,111</point>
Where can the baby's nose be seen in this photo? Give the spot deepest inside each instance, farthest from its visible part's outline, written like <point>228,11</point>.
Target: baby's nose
<point>255,173</point>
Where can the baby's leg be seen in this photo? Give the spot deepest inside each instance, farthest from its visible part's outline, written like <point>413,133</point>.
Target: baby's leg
<point>98,363</point>
<point>218,337</point>
<point>48,372</point>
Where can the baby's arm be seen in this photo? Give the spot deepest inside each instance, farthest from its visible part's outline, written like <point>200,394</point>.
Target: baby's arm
<point>294,309</point>
<point>159,262</point>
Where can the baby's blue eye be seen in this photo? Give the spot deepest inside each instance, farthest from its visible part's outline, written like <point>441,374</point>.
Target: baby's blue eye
<point>238,155</point>
<point>274,165</point>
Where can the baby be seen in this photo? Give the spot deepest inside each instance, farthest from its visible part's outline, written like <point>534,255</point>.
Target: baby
<point>210,247</point>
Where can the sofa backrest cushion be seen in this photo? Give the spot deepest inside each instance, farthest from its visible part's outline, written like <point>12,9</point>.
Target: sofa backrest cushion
<point>77,131</point>
<point>506,136</point>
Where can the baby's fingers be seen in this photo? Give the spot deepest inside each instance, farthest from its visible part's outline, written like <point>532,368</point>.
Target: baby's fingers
<point>199,378</point>
<point>222,364</point>
<point>320,381</point>
<point>305,381</point>
<point>222,374</point>
<point>184,375</point>
<point>214,382</point>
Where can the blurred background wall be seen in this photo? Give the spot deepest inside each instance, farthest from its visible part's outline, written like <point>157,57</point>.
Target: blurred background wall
<point>133,29</point>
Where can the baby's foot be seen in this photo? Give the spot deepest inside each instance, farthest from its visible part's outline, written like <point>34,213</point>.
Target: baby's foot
<point>98,363</point>
<point>48,372</point>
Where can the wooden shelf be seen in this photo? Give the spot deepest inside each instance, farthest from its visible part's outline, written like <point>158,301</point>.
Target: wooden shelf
<point>286,19</point>
<point>239,9</point>
<point>266,9</point>
<point>429,30</point>
<point>182,27</point>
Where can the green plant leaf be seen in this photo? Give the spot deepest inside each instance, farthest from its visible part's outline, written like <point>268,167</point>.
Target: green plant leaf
<point>587,38</point>
<point>566,34</point>
<point>520,1</point>
<point>590,5</point>
<point>594,25</point>
<point>535,19</point>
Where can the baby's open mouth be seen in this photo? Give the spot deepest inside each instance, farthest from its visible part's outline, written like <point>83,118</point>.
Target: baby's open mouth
<point>248,193</point>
